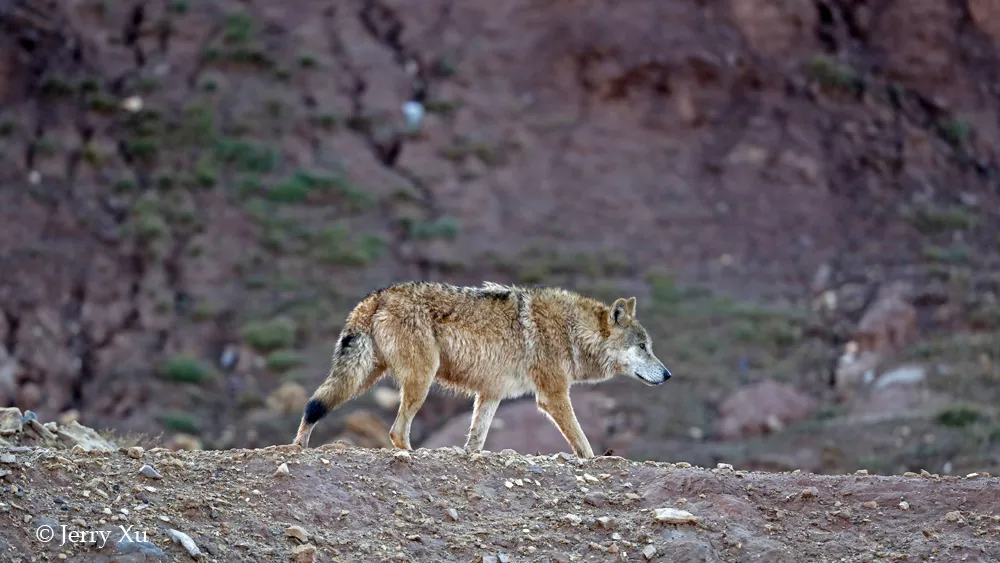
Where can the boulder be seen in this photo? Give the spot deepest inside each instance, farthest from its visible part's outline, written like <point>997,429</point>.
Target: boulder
<point>763,407</point>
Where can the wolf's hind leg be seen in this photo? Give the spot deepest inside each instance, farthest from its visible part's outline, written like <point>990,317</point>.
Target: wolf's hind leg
<point>414,385</point>
<point>482,418</point>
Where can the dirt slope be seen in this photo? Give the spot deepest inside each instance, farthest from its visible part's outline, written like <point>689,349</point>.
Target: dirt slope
<point>354,504</point>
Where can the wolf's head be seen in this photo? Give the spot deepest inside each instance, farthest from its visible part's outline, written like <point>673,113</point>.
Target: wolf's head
<point>630,346</point>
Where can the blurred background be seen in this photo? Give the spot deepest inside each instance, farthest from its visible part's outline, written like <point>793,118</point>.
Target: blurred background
<point>802,195</point>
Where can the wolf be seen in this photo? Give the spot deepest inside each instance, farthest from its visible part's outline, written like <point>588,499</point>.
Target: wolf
<point>494,341</point>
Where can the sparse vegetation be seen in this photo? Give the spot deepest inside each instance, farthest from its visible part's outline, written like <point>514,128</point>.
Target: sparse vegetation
<point>444,227</point>
<point>300,185</point>
<point>931,219</point>
<point>334,245</point>
<point>245,155</point>
<point>281,361</point>
<point>186,369</point>
<point>958,416</point>
<point>954,254</point>
<point>56,86</point>
<point>149,222</point>
<point>955,130</point>
<point>831,73</point>
<point>101,103</point>
<point>268,336</point>
<point>307,60</point>
<point>239,27</point>
<point>442,107</point>
<point>179,6</point>
<point>179,421</point>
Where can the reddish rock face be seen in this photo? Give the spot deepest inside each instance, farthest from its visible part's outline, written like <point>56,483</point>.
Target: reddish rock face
<point>694,137</point>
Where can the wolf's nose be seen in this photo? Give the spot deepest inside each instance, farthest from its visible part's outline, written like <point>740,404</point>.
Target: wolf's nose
<point>666,374</point>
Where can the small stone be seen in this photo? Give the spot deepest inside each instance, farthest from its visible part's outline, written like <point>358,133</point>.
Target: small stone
<point>305,553</point>
<point>648,552</point>
<point>904,505</point>
<point>126,545</point>
<point>590,478</point>
<point>675,516</point>
<point>870,504</point>
<point>452,514</point>
<point>297,532</point>
<point>8,458</point>
<point>573,519</point>
<point>809,492</point>
<point>402,455</point>
<point>953,516</point>
<point>594,499</point>
<point>186,541</point>
<point>606,522</point>
<point>148,471</point>
<point>861,472</point>
<point>490,559</point>
<point>282,470</point>
<point>724,467</point>
<point>135,452</point>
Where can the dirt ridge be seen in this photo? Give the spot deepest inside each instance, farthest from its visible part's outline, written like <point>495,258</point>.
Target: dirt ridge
<point>347,503</point>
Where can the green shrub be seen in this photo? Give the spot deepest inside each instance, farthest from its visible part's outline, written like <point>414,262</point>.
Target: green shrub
<point>283,360</point>
<point>179,421</point>
<point>268,336</point>
<point>185,369</point>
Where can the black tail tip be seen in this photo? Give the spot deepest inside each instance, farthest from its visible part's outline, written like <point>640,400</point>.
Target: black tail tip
<point>315,410</point>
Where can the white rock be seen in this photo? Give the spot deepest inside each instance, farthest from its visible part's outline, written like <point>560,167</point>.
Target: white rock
<point>186,541</point>
<point>132,104</point>
<point>675,516</point>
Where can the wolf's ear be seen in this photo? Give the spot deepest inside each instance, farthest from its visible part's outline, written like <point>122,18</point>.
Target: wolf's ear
<point>621,311</point>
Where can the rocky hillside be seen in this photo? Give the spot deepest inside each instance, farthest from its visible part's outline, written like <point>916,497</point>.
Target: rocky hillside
<point>803,195</point>
<point>97,502</point>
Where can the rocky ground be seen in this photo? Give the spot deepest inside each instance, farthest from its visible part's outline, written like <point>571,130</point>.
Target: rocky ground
<point>803,196</point>
<point>343,503</point>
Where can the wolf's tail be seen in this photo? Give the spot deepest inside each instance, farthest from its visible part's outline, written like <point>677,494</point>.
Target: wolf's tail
<point>353,371</point>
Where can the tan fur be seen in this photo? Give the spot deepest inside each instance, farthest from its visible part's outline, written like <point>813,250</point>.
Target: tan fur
<point>496,342</point>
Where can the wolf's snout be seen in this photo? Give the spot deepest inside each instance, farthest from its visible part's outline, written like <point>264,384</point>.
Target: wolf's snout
<point>666,374</point>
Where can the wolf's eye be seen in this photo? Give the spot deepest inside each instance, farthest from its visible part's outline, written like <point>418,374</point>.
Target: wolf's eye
<point>642,346</point>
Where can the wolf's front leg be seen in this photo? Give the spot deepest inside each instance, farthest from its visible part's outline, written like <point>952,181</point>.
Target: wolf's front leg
<point>559,408</point>
<point>482,418</point>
